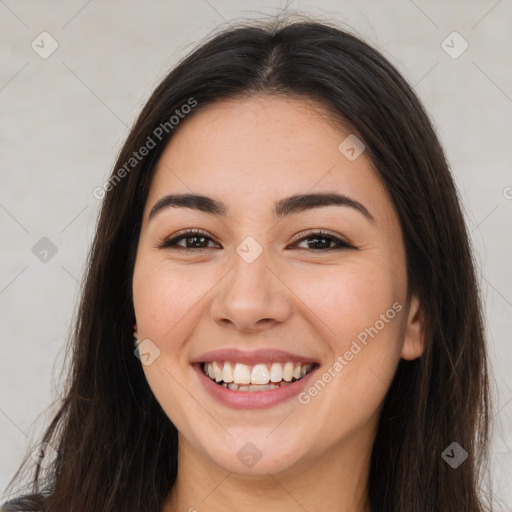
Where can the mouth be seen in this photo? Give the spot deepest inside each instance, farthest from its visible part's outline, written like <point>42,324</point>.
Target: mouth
<point>259,377</point>
<point>254,386</point>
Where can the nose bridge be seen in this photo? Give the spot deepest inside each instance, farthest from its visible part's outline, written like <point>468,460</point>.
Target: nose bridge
<point>250,278</point>
<point>251,295</point>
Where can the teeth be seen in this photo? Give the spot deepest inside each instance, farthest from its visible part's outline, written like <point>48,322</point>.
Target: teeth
<point>260,374</point>
<point>217,371</point>
<point>254,387</point>
<point>288,371</point>
<point>227,372</point>
<point>276,372</point>
<point>242,374</point>
<point>243,377</point>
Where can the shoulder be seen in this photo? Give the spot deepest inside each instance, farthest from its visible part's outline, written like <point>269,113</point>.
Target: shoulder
<point>26,503</point>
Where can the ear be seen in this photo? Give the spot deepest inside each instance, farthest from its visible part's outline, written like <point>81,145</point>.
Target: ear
<point>414,339</point>
<point>135,330</point>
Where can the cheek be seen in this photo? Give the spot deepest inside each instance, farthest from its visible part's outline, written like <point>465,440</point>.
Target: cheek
<point>342,301</point>
<point>357,310</point>
<point>164,300</point>
<point>164,295</point>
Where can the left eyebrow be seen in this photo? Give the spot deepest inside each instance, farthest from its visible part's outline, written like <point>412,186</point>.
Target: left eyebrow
<point>301,202</point>
<point>283,207</point>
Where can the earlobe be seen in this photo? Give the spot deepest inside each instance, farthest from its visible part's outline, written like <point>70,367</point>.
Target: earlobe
<point>414,338</point>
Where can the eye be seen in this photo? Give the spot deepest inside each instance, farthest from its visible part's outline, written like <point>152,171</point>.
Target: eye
<point>199,240</point>
<point>322,240</point>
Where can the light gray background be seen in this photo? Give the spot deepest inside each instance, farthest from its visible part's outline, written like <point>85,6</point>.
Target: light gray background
<point>64,118</point>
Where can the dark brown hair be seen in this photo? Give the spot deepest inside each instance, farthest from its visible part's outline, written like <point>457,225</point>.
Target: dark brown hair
<point>117,449</point>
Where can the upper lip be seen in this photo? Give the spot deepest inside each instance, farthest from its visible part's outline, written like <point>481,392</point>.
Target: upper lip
<point>252,357</point>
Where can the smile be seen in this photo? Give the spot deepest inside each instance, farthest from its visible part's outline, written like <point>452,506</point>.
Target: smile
<point>241,393</point>
<point>258,377</point>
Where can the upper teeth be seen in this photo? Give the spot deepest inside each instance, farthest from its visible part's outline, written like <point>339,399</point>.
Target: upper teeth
<point>257,374</point>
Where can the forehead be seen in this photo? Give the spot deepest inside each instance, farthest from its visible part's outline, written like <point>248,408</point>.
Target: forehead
<point>258,149</point>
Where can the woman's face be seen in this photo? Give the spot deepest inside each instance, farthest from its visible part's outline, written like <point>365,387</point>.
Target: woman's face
<point>260,285</point>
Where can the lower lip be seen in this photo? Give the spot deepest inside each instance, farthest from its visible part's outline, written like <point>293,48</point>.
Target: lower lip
<point>252,399</point>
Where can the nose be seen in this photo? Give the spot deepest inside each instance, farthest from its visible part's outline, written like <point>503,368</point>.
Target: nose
<point>251,297</point>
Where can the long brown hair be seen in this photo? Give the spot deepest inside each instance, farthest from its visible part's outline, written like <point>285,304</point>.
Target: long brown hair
<point>117,449</point>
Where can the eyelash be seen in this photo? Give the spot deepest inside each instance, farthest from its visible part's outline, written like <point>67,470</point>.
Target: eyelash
<point>171,243</point>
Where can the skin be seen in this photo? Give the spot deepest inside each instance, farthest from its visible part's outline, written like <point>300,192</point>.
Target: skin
<point>250,153</point>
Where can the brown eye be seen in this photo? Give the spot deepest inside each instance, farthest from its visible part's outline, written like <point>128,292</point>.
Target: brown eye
<point>322,241</point>
<point>198,240</point>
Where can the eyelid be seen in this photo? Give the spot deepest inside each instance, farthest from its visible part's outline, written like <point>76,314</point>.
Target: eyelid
<point>171,242</point>
<point>310,233</point>
<point>183,234</point>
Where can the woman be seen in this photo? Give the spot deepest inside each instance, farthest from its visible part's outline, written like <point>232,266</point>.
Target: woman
<point>282,239</point>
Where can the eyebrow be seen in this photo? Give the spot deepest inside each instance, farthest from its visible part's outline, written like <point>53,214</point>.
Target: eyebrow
<point>286,206</point>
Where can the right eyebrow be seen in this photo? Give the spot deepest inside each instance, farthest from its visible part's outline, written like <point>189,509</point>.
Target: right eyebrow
<point>193,201</point>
